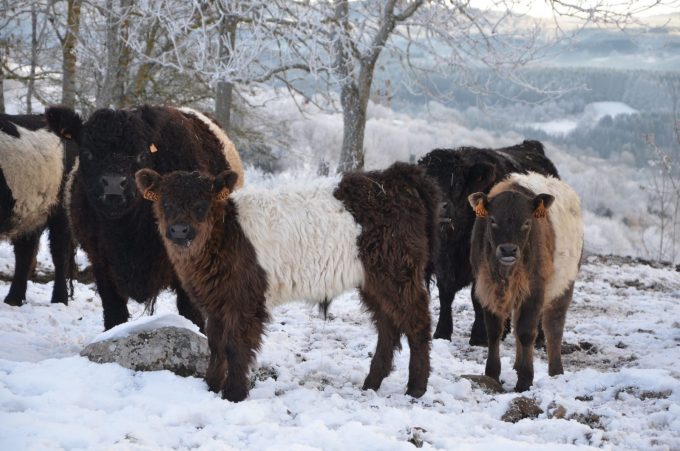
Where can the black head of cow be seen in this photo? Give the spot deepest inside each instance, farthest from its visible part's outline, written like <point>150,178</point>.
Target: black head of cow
<point>458,174</point>
<point>112,146</point>
<point>509,217</point>
<point>183,202</point>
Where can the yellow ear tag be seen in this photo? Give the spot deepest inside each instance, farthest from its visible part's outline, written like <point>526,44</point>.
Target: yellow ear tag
<point>541,211</point>
<point>153,148</point>
<point>150,195</point>
<point>480,211</point>
<point>223,194</point>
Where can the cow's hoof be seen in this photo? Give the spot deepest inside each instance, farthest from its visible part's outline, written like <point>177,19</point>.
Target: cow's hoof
<point>476,340</point>
<point>416,392</point>
<point>442,334</point>
<point>14,301</point>
<point>235,394</point>
<point>522,387</point>
<point>59,300</point>
<point>371,384</point>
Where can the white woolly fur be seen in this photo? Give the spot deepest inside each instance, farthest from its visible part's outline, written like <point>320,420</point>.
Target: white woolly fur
<point>228,147</point>
<point>33,165</point>
<point>567,222</point>
<point>305,240</point>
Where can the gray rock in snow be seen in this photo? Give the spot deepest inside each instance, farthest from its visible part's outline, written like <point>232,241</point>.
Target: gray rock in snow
<point>521,407</point>
<point>176,349</point>
<point>485,383</point>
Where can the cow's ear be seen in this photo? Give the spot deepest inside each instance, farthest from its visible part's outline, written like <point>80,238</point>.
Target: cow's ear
<point>481,177</point>
<point>224,184</point>
<point>478,202</point>
<point>147,183</point>
<point>64,122</point>
<point>541,203</point>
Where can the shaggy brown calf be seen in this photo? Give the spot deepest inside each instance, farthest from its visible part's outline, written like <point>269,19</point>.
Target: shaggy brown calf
<point>526,250</point>
<point>239,254</point>
<point>461,172</point>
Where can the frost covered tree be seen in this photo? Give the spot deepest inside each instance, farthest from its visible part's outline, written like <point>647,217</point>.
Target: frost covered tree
<point>450,37</point>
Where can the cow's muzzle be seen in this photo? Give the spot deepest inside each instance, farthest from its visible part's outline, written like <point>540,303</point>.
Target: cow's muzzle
<point>507,254</point>
<point>181,234</point>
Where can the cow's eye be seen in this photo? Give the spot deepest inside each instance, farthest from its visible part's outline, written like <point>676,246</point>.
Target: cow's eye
<point>87,155</point>
<point>201,210</point>
<point>526,224</point>
<point>143,157</point>
<point>493,222</point>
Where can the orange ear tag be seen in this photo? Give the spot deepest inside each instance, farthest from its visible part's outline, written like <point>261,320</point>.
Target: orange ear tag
<point>480,211</point>
<point>150,195</point>
<point>223,194</point>
<point>541,211</point>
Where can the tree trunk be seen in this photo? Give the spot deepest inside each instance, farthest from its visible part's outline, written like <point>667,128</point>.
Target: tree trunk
<point>120,97</point>
<point>224,91</point>
<point>68,85</point>
<point>34,60</point>
<point>112,90</point>
<point>3,51</point>
<point>354,107</point>
<point>105,93</point>
<point>357,76</point>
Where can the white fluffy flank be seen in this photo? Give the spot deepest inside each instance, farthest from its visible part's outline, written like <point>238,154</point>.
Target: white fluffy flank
<point>33,165</point>
<point>228,147</point>
<point>304,237</point>
<point>567,222</point>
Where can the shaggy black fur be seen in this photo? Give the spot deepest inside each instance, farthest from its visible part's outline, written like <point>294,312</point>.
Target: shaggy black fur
<point>112,222</point>
<point>461,172</point>
<point>26,245</point>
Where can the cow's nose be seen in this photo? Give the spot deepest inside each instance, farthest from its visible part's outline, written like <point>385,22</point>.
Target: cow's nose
<point>508,250</point>
<point>114,185</point>
<point>507,253</point>
<point>180,233</point>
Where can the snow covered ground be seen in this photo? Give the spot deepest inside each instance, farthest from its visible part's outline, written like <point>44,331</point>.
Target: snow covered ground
<point>591,115</point>
<point>621,388</point>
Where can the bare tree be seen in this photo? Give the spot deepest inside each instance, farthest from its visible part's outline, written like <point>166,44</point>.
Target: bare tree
<point>69,56</point>
<point>451,38</point>
<point>664,186</point>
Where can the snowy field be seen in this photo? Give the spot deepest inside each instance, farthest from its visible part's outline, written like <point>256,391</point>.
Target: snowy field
<point>621,389</point>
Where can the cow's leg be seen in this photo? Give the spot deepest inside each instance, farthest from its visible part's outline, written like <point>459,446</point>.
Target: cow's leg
<point>416,323</point>
<point>187,309</point>
<point>61,247</point>
<point>446,294</point>
<point>25,250</point>
<point>419,361</point>
<point>242,343</point>
<point>554,316</point>
<point>526,326</point>
<point>115,305</point>
<point>494,330</point>
<point>216,374</point>
<point>478,332</point>
<point>388,341</point>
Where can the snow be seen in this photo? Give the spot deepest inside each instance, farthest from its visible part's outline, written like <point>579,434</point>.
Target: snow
<point>591,115</point>
<point>51,398</point>
<point>145,324</point>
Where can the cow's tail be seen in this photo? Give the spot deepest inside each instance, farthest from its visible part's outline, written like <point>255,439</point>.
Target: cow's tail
<point>430,193</point>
